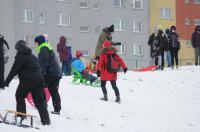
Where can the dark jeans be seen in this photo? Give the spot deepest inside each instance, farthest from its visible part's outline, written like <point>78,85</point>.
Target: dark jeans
<point>174,56</point>
<point>114,86</point>
<point>197,55</point>
<point>1,74</point>
<point>36,88</point>
<point>162,60</point>
<point>52,82</point>
<point>69,67</point>
<point>89,77</point>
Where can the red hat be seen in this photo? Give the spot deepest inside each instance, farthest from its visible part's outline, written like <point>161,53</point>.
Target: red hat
<point>106,44</point>
<point>78,54</point>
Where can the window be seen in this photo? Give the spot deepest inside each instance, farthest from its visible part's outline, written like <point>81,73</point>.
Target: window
<point>67,1</point>
<point>96,5</point>
<point>196,21</point>
<point>42,17</point>
<point>28,16</point>
<point>121,48</point>
<point>137,4</point>
<point>63,20</point>
<point>119,24</point>
<point>85,53</point>
<point>84,28</point>
<point>187,21</point>
<point>137,26</point>
<point>196,1</point>
<point>188,43</point>
<point>118,3</point>
<point>187,1</point>
<point>165,13</point>
<point>97,29</point>
<point>83,4</point>
<point>30,40</point>
<point>137,50</point>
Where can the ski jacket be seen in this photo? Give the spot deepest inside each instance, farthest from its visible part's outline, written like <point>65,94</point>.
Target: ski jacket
<point>103,62</point>
<point>26,66</point>
<point>48,62</point>
<point>196,38</point>
<point>62,49</point>
<point>78,65</point>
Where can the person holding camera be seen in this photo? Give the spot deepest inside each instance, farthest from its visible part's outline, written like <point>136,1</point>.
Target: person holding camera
<point>106,34</point>
<point>2,60</point>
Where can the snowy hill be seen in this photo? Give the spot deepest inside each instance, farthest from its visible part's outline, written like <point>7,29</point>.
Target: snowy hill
<point>160,101</point>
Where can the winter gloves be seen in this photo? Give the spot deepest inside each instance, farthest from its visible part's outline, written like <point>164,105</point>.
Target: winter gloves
<point>98,73</point>
<point>125,70</point>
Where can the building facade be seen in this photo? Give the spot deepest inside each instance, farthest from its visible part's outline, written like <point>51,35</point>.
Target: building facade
<point>81,21</point>
<point>162,13</point>
<point>188,17</point>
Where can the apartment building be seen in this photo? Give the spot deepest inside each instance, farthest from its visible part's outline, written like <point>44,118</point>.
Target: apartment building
<point>81,21</point>
<point>188,17</point>
<point>162,13</point>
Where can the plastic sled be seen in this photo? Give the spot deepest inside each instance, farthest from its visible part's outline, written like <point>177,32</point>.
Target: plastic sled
<point>79,79</point>
<point>30,99</point>
<point>149,68</point>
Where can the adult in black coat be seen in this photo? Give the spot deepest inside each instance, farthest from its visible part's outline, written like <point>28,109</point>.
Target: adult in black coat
<point>174,46</point>
<point>50,70</point>
<point>2,61</point>
<point>196,44</point>
<point>27,68</point>
<point>157,42</point>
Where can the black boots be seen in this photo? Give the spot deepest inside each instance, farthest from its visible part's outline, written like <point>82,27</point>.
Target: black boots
<point>105,97</point>
<point>118,100</point>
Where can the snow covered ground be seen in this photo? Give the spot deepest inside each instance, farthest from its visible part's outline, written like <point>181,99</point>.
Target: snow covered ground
<point>160,101</point>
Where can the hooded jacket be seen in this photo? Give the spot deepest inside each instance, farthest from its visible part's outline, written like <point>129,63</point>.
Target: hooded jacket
<point>103,62</point>
<point>196,38</point>
<point>26,66</point>
<point>62,49</point>
<point>47,59</point>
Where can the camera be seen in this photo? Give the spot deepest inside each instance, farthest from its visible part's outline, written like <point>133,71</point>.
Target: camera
<point>116,43</point>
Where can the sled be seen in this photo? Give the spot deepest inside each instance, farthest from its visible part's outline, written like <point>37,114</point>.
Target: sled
<point>20,123</point>
<point>79,79</point>
<point>149,68</point>
<point>30,99</point>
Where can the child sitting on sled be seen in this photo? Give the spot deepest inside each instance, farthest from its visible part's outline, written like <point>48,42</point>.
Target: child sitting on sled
<point>79,66</point>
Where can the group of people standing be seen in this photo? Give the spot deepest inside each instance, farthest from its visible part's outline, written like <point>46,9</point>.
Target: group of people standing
<point>165,44</point>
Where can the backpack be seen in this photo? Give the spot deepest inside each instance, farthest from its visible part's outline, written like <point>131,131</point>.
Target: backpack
<point>113,65</point>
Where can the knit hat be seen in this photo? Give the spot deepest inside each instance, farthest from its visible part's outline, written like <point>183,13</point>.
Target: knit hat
<point>111,28</point>
<point>21,44</point>
<point>78,54</point>
<point>40,39</point>
<point>107,44</point>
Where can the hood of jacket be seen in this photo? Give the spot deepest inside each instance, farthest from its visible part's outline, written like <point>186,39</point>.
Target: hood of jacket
<point>62,40</point>
<point>25,51</point>
<point>197,28</point>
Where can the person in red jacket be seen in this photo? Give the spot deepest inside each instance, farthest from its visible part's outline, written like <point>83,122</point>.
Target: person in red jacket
<point>103,72</point>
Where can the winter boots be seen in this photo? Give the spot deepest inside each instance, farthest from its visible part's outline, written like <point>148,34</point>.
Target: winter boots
<point>55,112</point>
<point>118,100</point>
<point>105,97</point>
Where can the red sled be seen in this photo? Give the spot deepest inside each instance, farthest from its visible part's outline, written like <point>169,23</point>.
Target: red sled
<point>149,68</point>
<point>30,99</point>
